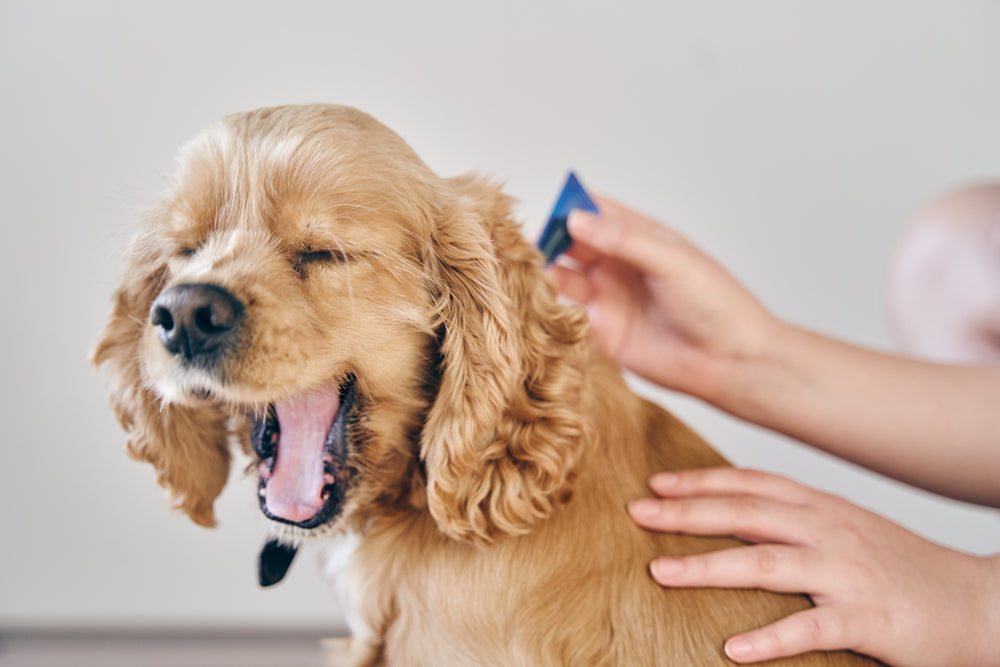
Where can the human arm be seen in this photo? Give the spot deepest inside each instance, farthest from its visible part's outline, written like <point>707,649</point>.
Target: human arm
<point>668,312</point>
<point>931,425</point>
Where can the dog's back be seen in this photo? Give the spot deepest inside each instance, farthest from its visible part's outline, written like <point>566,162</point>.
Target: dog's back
<point>576,590</point>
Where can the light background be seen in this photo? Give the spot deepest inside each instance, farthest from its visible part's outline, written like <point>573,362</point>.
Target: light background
<point>790,139</point>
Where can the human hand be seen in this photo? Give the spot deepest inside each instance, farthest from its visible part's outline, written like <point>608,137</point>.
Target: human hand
<point>878,589</point>
<point>658,305</point>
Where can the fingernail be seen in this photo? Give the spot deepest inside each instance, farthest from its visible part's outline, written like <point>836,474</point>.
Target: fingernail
<point>663,482</point>
<point>581,224</point>
<point>644,508</point>
<point>738,647</point>
<point>665,568</point>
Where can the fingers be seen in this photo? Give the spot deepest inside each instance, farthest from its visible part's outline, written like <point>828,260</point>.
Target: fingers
<point>777,568</point>
<point>817,629</point>
<point>730,481</point>
<point>782,517</point>
<point>572,284</point>
<point>622,234</point>
<point>747,517</point>
<point>773,567</point>
<point>608,296</point>
<point>753,505</point>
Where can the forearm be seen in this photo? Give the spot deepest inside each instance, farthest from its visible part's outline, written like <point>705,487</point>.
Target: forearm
<point>931,425</point>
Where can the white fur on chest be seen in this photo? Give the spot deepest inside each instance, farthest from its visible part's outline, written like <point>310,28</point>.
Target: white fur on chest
<point>338,567</point>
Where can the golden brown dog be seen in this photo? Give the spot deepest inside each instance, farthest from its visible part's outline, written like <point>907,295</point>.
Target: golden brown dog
<point>386,346</point>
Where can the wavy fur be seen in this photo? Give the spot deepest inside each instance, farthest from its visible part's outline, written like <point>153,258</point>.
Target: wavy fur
<point>494,448</point>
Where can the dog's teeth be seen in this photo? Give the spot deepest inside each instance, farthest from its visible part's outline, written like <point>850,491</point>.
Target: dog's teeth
<point>328,479</point>
<point>262,492</point>
<point>325,495</point>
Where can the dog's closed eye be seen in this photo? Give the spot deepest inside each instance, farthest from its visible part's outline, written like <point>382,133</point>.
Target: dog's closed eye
<point>307,257</point>
<point>185,251</point>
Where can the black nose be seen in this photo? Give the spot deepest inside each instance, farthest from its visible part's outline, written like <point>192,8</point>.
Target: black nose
<point>196,321</point>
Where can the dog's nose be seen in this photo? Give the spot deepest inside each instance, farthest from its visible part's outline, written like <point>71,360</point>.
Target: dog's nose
<point>196,321</point>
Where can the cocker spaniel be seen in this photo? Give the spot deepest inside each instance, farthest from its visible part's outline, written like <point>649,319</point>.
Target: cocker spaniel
<point>386,346</point>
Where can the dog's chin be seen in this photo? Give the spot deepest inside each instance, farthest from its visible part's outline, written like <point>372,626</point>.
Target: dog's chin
<point>297,537</point>
<point>184,390</point>
<point>304,446</point>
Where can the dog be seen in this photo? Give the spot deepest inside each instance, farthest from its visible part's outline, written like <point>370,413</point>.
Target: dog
<point>386,347</point>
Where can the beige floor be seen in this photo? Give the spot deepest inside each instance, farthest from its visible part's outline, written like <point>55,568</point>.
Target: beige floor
<point>159,648</point>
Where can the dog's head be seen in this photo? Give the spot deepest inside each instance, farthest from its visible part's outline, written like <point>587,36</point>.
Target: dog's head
<point>378,337</point>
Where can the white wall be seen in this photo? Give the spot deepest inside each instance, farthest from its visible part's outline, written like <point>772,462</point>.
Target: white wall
<point>790,139</point>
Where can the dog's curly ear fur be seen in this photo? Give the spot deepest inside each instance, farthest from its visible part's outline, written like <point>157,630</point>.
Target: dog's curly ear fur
<point>505,430</point>
<point>188,446</point>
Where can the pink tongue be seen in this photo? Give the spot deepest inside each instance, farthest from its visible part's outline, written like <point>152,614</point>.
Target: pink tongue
<point>294,490</point>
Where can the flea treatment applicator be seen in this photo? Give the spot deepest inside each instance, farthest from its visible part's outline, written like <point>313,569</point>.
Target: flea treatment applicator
<point>555,237</point>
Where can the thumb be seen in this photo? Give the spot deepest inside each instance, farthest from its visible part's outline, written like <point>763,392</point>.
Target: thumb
<point>814,629</point>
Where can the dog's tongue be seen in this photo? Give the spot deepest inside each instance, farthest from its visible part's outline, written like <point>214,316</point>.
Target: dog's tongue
<point>295,487</point>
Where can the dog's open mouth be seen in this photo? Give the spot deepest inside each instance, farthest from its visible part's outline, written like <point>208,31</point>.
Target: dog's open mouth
<point>302,445</point>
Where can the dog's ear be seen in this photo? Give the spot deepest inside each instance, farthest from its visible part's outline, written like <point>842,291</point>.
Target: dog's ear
<point>188,446</point>
<point>505,430</point>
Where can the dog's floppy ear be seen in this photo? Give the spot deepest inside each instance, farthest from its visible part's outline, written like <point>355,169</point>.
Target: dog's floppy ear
<point>505,430</point>
<point>188,446</point>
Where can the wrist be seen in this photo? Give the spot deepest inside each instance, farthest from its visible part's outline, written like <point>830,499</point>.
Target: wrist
<point>755,384</point>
